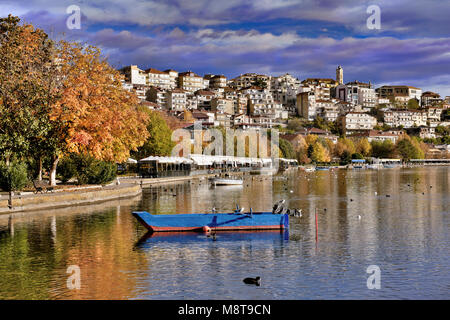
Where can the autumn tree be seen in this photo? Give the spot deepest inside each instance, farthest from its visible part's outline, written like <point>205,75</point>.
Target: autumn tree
<point>95,114</point>
<point>320,153</point>
<point>344,146</point>
<point>363,147</point>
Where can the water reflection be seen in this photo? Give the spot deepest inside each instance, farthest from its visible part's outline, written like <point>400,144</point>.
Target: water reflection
<point>406,234</point>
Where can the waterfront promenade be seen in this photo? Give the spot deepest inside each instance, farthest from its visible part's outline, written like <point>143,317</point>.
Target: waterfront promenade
<point>122,187</point>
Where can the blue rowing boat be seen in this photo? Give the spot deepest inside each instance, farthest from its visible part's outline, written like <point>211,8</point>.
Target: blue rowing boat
<point>205,222</point>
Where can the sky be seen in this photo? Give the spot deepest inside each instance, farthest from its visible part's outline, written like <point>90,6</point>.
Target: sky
<point>305,38</point>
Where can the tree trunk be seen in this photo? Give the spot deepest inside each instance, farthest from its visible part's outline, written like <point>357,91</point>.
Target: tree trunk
<point>40,169</point>
<point>53,171</point>
<point>10,199</point>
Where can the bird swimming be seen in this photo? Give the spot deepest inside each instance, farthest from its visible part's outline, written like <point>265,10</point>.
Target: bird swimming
<point>255,281</point>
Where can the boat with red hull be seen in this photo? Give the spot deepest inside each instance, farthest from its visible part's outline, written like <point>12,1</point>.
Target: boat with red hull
<point>204,222</point>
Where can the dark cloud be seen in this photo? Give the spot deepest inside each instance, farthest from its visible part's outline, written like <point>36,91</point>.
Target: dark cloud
<point>231,37</point>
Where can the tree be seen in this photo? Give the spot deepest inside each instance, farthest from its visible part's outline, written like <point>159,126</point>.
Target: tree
<point>287,151</point>
<point>260,83</point>
<point>159,142</point>
<point>363,147</point>
<point>26,56</point>
<point>320,153</point>
<point>413,104</point>
<point>409,148</point>
<point>383,149</point>
<point>344,145</point>
<point>13,177</point>
<point>94,114</point>
<point>295,125</point>
<point>311,139</point>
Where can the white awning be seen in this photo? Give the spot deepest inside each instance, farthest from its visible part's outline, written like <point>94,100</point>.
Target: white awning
<point>174,160</point>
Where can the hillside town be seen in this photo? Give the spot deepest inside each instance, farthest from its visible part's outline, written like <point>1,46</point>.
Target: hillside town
<point>251,100</point>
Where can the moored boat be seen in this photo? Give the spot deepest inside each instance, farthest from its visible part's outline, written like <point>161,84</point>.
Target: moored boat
<point>227,182</point>
<point>204,222</point>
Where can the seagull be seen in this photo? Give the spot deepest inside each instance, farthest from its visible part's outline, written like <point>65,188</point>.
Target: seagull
<point>359,217</point>
<point>278,207</point>
<point>214,210</point>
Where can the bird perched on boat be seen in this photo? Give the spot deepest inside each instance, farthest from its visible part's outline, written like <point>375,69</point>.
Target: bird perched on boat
<point>213,210</point>
<point>255,281</point>
<point>278,207</point>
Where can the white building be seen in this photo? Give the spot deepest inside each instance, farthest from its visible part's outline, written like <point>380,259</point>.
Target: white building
<point>357,121</point>
<point>158,78</point>
<point>357,93</point>
<point>176,99</point>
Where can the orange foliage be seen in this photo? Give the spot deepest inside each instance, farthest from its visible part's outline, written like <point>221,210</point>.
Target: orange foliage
<point>101,117</point>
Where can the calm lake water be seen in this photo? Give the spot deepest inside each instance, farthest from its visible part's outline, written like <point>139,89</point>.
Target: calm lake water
<point>406,235</point>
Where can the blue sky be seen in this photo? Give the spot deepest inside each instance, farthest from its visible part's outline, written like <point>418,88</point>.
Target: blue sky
<point>303,37</point>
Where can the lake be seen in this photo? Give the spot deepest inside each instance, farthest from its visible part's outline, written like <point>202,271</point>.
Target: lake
<point>404,234</point>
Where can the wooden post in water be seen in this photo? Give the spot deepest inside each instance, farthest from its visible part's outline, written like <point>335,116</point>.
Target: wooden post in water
<point>317,226</point>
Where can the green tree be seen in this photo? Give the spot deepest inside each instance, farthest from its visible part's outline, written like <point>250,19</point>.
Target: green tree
<point>26,58</point>
<point>409,148</point>
<point>383,149</point>
<point>13,176</point>
<point>413,104</point>
<point>295,125</point>
<point>286,149</point>
<point>159,142</point>
<point>260,83</point>
<point>89,170</point>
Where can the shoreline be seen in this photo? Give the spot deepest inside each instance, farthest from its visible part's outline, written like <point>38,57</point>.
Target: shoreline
<point>129,187</point>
